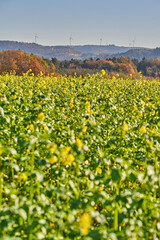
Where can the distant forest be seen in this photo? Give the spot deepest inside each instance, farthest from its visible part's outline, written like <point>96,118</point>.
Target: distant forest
<point>20,62</point>
<point>124,66</point>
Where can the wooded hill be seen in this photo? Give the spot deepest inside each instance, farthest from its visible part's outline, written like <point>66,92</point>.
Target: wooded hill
<point>66,52</point>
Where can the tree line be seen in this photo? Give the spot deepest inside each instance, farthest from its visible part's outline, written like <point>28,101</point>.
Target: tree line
<point>121,65</point>
<point>20,62</point>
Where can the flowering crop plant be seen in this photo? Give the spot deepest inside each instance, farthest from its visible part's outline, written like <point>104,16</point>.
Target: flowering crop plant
<point>79,158</point>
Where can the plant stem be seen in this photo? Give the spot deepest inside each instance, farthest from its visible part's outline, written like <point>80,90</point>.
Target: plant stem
<point>1,188</point>
<point>116,213</point>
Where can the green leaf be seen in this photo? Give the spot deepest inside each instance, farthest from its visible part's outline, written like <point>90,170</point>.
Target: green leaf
<point>22,213</point>
<point>116,174</point>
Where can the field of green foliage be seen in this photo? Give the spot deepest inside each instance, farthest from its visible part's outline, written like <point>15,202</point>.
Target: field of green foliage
<point>79,158</point>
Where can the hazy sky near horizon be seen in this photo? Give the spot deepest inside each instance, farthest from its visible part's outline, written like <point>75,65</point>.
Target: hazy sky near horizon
<point>116,22</point>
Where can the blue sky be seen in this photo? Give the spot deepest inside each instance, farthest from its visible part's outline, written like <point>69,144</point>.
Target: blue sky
<point>54,21</point>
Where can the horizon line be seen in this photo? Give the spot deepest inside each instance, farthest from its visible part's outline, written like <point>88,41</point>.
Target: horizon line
<point>68,45</point>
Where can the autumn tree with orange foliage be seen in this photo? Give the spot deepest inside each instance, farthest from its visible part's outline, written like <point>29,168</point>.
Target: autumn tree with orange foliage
<point>20,62</point>
<point>126,68</point>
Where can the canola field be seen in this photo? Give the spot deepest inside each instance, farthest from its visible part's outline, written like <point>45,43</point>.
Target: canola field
<point>79,158</point>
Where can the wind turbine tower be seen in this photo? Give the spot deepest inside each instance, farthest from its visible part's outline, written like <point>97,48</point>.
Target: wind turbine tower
<point>130,43</point>
<point>134,42</point>
<point>36,37</point>
<point>70,40</point>
<point>100,41</point>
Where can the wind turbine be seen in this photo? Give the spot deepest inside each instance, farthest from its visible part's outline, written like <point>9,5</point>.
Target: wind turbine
<point>36,37</point>
<point>130,43</point>
<point>134,42</point>
<point>70,40</point>
<point>100,41</point>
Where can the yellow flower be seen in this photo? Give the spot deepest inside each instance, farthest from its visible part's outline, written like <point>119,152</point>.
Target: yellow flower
<point>1,151</point>
<point>72,100</point>
<point>155,133</point>
<point>45,127</point>
<point>78,143</point>
<point>52,225</point>
<point>103,72</point>
<point>41,116</point>
<point>85,129</point>
<point>31,127</point>
<point>53,160</point>
<point>87,105</point>
<point>149,104</point>
<point>143,129</point>
<point>99,170</point>
<point>68,159</point>
<point>101,188</point>
<point>143,104</point>
<point>3,85</point>
<point>30,93</point>
<point>85,223</point>
<point>124,128</point>
<point>22,177</point>
<point>153,112</point>
<point>90,112</point>
<point>65,151</point>
<point>71,105</point>
<point>40,73</point>
<point>135,108</point>
<point>53,148</point>
<point>38,85</point>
